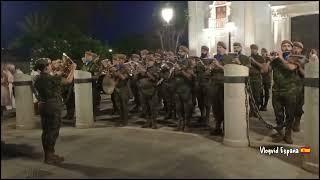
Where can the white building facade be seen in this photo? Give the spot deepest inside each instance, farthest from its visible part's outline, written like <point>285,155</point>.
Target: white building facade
<point>265,23</point>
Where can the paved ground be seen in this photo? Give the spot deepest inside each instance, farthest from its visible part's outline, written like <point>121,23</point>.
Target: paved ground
<point>133,152</point>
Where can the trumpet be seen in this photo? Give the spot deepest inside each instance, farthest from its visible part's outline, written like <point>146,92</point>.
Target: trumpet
<point>65,55</point>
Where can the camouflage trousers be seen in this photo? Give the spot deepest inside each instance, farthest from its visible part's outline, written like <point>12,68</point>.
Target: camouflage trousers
<point>183,100</point>
<point>50,113</point>
<point>299,103</point>
<point>200,93</point>
<point>256,88</point>
<point>284,105</point>
<point>216,96</point>
<point>151,105</point>
<point>121,97</point>
<point>166,92</point>
<point>96,98</point>
<point>135,92</point>
<point>265,93</point>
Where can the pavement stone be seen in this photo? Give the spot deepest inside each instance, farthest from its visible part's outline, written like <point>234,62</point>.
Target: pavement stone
<point>133,152</point>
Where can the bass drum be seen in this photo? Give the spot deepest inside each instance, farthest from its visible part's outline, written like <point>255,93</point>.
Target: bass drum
<point>108,85</point>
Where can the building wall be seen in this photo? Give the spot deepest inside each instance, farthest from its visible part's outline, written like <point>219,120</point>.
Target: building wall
<point>256,21</point>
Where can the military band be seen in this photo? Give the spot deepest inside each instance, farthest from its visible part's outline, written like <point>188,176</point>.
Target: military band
<point>177,84</point>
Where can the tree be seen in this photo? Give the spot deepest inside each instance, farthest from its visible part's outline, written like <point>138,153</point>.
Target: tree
<point>170,35</point>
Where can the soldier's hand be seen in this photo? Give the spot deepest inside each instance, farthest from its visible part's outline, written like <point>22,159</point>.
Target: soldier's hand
<point>74,66</point>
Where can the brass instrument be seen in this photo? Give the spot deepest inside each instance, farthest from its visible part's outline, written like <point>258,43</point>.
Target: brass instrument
<point>66,65</point>
<point>298,59</point>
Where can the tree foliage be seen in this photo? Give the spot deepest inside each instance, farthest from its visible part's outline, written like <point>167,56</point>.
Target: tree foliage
<point>50,37</point>
<point>171,34</point>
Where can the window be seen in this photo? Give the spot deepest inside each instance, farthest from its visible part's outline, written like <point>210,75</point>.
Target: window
<point>221,14</point>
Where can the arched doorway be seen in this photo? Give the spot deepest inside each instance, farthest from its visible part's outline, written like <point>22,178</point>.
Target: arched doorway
<point>306,30</point>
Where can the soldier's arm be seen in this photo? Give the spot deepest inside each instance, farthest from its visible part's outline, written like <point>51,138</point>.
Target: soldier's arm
<point>188,73</point>
<point>120,75</point>
<point>70,76</point>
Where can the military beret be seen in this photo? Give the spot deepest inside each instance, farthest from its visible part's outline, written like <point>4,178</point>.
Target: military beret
<point>41,62</point>
<point>120,56</point>
<point>205,48</point>
<point>237,44</point>
<point>144,51</point>
<point>222,44</point>
<point>90,53</point>
<point>298,44</point>
<point>264,50</point>
<point>157,55</point>
<point>150,57</point>
<point>135,56</point>
<point>170,53</point>
<point>253,46</point>
<point>184,48</point>
<point>286,41</point>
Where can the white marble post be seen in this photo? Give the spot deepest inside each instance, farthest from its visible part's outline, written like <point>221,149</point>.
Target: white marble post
<point>83,99</point>
<point>24,104</point>
<point>249,24</point>
<point>235,125</point>
<point>311,116</point>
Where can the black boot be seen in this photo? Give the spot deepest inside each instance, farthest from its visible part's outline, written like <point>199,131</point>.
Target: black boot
<point>288,136</point>
<point>296,124</point>
<point>218,130</point>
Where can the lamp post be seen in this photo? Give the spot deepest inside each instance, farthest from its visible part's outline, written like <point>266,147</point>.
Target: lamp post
<point>230,27</point>
<point>167,14</point>
<point>110,50</point>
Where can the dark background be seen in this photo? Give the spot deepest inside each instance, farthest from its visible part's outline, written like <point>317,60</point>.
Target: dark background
<point>306,30</point>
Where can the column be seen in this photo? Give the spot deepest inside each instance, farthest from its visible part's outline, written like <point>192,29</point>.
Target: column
<point>193,34</point>
<point>281,25</point>
<point>83,99</point>
<point>249,25</point>
<point>311,116</point>
<point>24,103</point>
<point>235,124</point>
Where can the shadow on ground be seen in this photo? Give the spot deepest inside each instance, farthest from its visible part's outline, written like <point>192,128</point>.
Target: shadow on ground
<point>10,151</point>
<point>91,171</point>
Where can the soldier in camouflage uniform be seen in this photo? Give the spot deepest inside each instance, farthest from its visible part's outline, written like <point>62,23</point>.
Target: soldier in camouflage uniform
<point>255,78</point>
<point>266,81</point>
<point>121,92</point>
<point>297,50</point>
<point>134,86</point>
<point>91,67</point>
<point>167,88</point>
<point>143,54</point>
<point>68,97</point>
<point>148,78</point>
<point>217,86</point>
<point>201,85</point>
<point>284,91</point>
<point>48,92</point>
<point>183,76</point>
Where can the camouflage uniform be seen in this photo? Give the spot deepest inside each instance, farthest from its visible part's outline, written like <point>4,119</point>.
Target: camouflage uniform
<point>183,95</point>
<point>202,89</point>
<point>283,95</point>
<point>48,92</point>
<point>266,82</point>
<point>166,91</point>
<point>256,80</point>
<point>216,95</point>
<point>121,96</point>
<point>149,95</point>
<point>69,99</point>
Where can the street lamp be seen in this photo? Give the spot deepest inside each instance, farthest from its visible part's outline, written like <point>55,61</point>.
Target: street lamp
<point>167,14</point>
<point>230,27</point>
<point>110,50</point>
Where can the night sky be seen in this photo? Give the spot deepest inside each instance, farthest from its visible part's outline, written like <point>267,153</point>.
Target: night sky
<point>130,17</point>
